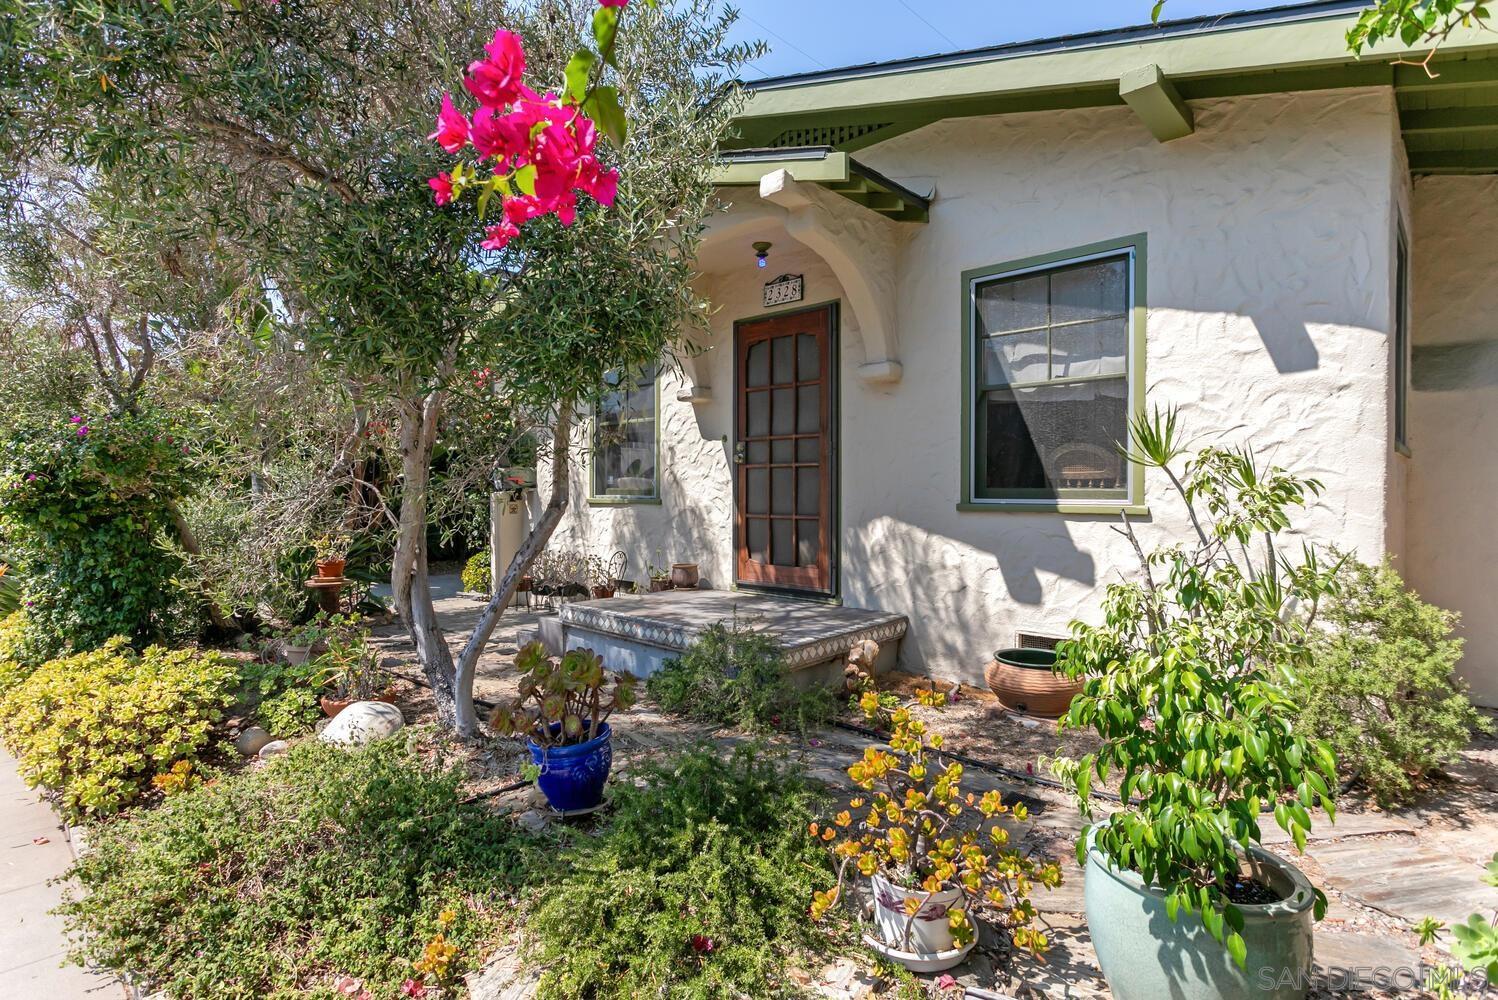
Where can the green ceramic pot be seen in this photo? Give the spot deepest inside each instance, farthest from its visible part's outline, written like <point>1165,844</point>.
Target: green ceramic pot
<point>1146,957</point>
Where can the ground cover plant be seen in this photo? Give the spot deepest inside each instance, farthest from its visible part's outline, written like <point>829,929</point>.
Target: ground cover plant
<point>696,888</point>
<point>325,868</point>
<point>97,727</point>
<point>733,675</point>
<point>1381,687</point>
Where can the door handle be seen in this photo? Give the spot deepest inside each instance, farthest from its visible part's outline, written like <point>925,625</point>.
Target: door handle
<point>740,453</point>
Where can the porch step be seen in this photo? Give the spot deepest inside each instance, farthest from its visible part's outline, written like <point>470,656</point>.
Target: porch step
<point>639,632</point>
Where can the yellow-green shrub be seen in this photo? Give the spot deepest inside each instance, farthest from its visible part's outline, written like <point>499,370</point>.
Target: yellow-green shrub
<point>15,662</point>
<point>98,726</point>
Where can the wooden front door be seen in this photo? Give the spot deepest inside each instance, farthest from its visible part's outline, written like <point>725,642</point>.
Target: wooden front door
<point>784,451</point>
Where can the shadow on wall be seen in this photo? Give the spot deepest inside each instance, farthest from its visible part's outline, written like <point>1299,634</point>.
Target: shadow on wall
<point>949,588</point>
<point>1287,342</point>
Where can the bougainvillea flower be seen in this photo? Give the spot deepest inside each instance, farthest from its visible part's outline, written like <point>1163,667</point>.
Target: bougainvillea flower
<point>411,988</point>
<point>503,137</point>
<point>452,127</point>
<point>702,945</point>
<point>498,237</point>
<point>612,3</point>
<point>442,188</point>
<point>495,82</point>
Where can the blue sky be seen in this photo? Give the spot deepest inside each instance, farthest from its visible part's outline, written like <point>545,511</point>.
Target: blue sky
<point>807,35</point>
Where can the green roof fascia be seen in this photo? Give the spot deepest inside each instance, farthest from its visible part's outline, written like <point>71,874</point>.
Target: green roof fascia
<point>833,169</point>
<point>829,169</point>
<point>1306,54</point>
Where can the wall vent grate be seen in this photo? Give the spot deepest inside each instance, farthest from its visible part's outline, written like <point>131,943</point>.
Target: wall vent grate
<point>1031,640</point>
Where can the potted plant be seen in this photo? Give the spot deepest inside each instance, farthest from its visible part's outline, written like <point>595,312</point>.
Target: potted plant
<point>660,577</point>
<point>684,576</point>
<point>351,670</point>
<point>935,857</point>
<point>1027,681</point>
<point>297,642</point>
<point>562,709</point>
<point>1185,689</point>
<point>332,556</point>
<point>601,583</point>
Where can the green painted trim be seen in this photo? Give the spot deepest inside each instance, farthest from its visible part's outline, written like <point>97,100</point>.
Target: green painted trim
<point>1481,118</point>
<point>1051,507</point>
<point>1157,103</point>
<point>1134,500</point>
<point>1453,160</point>
<point>831,169</point>
<point>605,500</point>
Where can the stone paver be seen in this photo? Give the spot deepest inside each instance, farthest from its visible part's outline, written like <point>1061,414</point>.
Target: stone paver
<point>33,850</point>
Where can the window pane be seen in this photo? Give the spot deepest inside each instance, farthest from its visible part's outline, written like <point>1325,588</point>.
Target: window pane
<point>782,531</point>
<point>782,450</point>
<point>758,452</point>
<point>1012,304</point>
<point>759,414</point>
<point>624,445</point>
<point>759,364</point>
<point>759,539</point>
<point>783,411</point>
<point>757,485</point>
<point>1090,291</point>
<point>808,449</point>
<point>808,542</point>
<point>781,480</point>
<point>808,409</point>
<point>809,490</point>
<point>784,370</point>
<point>808,358</point>
<point>1049,438</point>
<point>1015,357</point>
<point>1089,348</point>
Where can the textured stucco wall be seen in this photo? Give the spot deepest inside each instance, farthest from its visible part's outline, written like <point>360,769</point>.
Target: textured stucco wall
<point>1452,548</point>
<point>1269,305</point>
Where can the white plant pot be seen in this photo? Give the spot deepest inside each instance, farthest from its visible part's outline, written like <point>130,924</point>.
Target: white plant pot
<point>930,932</point>
<point>296,655</point>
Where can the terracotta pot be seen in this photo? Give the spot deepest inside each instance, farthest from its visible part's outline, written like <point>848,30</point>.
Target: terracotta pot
<point>684,576</point>
<point>659,583</point>
<point>1025,682</point>
<point>331,569</point>
<point>332,706</point>
<point>524,584</point>
<point>600,592</point>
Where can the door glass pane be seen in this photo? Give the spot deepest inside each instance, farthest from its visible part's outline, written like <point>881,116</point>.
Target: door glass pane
<point>759,364</point>
<point>1015,357</point>
<point>808,409</point>
<point>758,452</point>
<point>808,449</point>
<point>784,360</point>
<point>781,501</point>
<point>1089,292</point>
<point>808,358</point>
<point>1049,438</point>
<point>756,486</point>
<point>808,543</point>
<point>1089,348</point>
<point>783,415</point>
<point>759,539</point>
<point>1012,304</point>
<point>808,490</point>
<point>781,450</point>
<point>782,531</point>
<point>759,414</point>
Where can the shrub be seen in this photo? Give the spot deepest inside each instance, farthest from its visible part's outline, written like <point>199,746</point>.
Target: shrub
<point>18,653</point>
<point>88,507</point>
<point>279,882</point>
<point>697,888</point>
<point>735,676</point>
<point>98,726</point>
<point>1382,686</point>
<point>281,697</point>
<point>476,573</point>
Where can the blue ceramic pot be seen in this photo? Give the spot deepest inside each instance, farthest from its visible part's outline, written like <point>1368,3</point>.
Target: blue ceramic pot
<point>573,777</point>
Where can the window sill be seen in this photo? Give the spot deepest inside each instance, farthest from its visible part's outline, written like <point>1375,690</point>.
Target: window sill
<point>1402,449</point>
<point>624,501</point>
<point>1052,507</point>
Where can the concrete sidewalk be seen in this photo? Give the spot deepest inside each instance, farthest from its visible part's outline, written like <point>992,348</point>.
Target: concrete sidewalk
<point>34,849</point>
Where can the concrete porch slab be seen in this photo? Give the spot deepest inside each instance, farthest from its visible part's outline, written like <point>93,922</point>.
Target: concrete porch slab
<point>639,632</point>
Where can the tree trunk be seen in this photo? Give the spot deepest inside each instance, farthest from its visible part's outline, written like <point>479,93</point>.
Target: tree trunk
<point>409,581</point>
<point>189,541</point>
<point>539,535</point>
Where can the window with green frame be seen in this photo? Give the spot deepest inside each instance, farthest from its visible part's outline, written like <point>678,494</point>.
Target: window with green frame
<point>625,444</point>
<point>1052,377</point>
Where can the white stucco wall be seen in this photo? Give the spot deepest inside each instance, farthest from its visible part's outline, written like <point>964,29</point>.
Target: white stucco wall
<point>1452,551</point>
<point>1269,273</point>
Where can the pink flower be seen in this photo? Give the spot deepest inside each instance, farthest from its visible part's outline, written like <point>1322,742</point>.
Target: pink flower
<point>946,982</point>
<point>83,430</point>
<point>495,82</point>
<point>500,136</point>
<point>605,187</point>
<point>452,127</point>
<point>498,237</point>
<point>701,945</point>
<point>612,3</point>
<point>442,188</point>
<point>347,986</point>
<point>75,420</point>
<point>411,988</point>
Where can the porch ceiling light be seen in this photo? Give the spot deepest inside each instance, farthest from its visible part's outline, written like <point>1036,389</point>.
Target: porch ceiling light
<point>762,253</point>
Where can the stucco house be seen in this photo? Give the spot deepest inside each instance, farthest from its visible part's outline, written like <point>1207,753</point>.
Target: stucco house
<point>1004,252</point>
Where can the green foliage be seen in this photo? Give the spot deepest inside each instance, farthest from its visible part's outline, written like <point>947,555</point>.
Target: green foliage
<point>476,573</point>
<point>1474,945</point>
<point>98,726</point>
<point>277,882</point>
<point>697,888</point>
<point>1381,685</point>
<point>86,502</point>
<point>1186,684</point>
<point>1414,22</point>
<point>281,697</point>
<point>18,653</point>
<point>561,700</point>
<point>736,676</point>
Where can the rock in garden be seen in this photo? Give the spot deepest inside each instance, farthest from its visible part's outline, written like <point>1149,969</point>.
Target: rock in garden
<point>272,748</point>
<point>532,821</point>
<point>252,740</point>
<point>362,722</point>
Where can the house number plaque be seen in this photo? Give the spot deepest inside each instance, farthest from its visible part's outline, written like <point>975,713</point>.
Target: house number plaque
<point>783,290</point>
